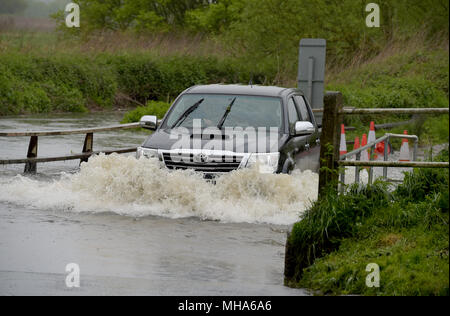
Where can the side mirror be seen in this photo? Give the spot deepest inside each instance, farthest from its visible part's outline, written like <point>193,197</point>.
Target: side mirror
<point>304,128</point>
<point>149,122</point>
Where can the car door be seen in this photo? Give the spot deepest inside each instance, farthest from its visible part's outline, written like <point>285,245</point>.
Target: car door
<point>309,158</point>
<point>296,145</point>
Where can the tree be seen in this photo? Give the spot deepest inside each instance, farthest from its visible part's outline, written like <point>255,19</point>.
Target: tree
<point>151,15</point>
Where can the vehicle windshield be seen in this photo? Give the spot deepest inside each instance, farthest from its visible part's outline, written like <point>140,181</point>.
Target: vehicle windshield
<point>226,111</point>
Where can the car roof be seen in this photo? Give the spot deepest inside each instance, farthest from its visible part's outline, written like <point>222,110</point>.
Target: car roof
<point>254,90</point>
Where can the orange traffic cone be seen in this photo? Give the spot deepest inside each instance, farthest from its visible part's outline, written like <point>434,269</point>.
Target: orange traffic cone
<point>356,146</point>
<point>404,150</point>
<point>364,153</point>
<point>343,146</point>
<point>372,137</point>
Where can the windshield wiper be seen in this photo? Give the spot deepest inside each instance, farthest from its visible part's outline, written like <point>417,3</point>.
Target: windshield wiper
<point>186,113</point>
<point>224,117</point>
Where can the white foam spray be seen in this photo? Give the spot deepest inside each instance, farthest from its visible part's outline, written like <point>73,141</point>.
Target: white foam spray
<point>137,188</point>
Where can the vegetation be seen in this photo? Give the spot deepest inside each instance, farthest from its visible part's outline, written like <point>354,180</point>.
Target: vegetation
<point>244,25</point>
<point>66,82</point>
<point>45,84</point>
<point>405,232</point>
<point>151,50</point>
<point>152,108</point>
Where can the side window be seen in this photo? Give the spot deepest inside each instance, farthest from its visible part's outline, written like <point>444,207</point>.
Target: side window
<point>293,114</point>
<point>303,108</point>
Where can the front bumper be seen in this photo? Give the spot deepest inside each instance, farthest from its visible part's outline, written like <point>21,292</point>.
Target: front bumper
<point>210,162</point>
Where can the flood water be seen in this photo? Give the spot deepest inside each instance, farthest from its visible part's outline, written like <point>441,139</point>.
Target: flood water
<point>134,228</point>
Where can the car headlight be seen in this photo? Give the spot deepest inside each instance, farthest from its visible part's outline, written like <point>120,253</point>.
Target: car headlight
<point>147,153</point>
<point>266,163</point>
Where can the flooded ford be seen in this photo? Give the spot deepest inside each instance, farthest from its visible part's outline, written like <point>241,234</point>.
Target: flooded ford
<point>134,227</point>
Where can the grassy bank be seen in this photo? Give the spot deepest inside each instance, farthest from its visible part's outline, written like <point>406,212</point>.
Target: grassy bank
<point>405,232</point>
<point>68,82</point>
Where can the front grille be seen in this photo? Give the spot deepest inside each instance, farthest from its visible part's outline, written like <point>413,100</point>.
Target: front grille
<point>215,163</point>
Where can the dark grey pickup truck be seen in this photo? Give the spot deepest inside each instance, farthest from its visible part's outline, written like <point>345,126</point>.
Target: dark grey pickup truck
<point>216,129</point>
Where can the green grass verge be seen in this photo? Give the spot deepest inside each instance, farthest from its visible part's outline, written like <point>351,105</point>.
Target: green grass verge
<point>405,232</point>
<point>411,261</point>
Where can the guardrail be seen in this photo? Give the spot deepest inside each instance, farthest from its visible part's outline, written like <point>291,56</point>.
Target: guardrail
<point>32,159</point>
<point>377,126</point>
<point>360,111</point>
<point>371,146</point>
<point>330,160</point>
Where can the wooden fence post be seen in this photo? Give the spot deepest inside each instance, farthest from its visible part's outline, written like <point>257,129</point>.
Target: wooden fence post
<point>329,152</point>
<point>88,146</point>
<point>30,167</point>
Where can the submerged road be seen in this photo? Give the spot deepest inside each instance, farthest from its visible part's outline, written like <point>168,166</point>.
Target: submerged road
<point>119,255</point>
<point>117,251</point>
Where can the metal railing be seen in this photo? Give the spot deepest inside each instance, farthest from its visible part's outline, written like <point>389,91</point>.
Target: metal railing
<point>32,159</point>
<point>330,159</point>
<point>372,146</point>
<point>359,111</point>
<point>358,164</point>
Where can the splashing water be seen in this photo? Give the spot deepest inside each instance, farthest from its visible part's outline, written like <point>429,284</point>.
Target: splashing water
<point>130,187</point>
